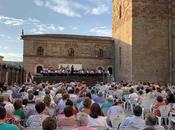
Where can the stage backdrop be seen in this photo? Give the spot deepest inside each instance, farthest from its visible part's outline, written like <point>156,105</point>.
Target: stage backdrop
<point>76,66</point>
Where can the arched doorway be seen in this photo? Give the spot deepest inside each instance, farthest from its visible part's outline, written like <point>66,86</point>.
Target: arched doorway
<point>110,70</point>
<point>39,69</point>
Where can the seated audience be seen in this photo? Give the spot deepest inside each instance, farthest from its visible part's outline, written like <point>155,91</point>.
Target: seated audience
<point>62,102</point>
<point>159,102</point>
<point>70,103</point>
<point>170,97</point>
<point>135,121</point>
<point>115,114</point>
<point>96,118</point>
<point>49,110</point>
<point>99,98</point>
<point>3,124</point>
<point>141,96</point>
<point>2,101</point>
<point>10,118</point>
<point>69,119</point>
<point>39,105</point>
<point>49,124</point>
<point>87,105</point>
<point>133,96</point>
<point>19,109</point>
<point>35,121</point>
<point>107,104</point>
<point>116,109</point>
<point>82,121</point>
<point>151,122</point>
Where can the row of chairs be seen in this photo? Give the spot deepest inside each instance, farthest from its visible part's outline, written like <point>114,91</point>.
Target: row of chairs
<point>165,111</point>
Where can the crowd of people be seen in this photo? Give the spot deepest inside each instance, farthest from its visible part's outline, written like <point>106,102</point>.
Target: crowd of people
<point>78,106</point>
<point>71,70</point>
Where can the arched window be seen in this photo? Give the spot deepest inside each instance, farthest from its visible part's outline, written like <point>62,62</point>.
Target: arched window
<point>71,52</point>
<point>40,51</point>
<point>100,53</point>
<point>39,69</point>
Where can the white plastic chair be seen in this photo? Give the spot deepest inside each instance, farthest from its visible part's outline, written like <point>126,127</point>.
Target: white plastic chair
<point>116,120</point>
<point>129,105</point>
<point>170,119</point>
<point>143,113</point>
<point>124,105</point>
<point>164,111</point>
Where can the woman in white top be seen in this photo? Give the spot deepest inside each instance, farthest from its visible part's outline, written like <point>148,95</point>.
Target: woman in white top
<point>96,119</point>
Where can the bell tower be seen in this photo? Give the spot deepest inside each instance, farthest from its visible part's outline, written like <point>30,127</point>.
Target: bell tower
<point>141,33</point>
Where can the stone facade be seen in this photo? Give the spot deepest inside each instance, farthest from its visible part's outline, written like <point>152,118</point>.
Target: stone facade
<point>1,59</point>
<point>142,30</point>
<point>144,42</point>
<point>172,39</point>
<point>11,72</point>
<point>122,34</point>
<point>86,51</point>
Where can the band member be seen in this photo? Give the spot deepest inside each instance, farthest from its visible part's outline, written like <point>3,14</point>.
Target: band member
<point>72,69</point>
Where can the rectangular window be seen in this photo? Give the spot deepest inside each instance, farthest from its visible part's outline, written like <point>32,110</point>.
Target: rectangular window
<point>120,12</point>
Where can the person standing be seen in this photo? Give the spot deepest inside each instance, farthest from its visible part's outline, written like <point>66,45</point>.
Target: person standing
<point>72,70</point>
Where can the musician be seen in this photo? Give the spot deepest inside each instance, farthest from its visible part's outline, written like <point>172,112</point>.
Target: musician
<point>72,69</point>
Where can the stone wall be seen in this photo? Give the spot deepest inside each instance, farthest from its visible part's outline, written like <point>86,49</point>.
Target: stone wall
<point>150,52</point>
<point>172,16</point>
<point>141,33</point>
<point>1,59</point>
<point>86,51</point>
<point>122,34</point>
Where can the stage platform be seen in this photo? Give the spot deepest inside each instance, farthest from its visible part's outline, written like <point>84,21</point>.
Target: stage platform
<point>89,78</point>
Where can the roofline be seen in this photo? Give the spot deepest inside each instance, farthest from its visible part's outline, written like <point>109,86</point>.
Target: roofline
<point>70,36</point>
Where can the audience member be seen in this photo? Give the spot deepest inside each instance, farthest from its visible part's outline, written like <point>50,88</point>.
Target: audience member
<point>151,122</point>
<point>159,102</point>
<point>19,109</point>
<point>96,117</point>
<point>134,122</point>
<point>49,124</point>
<point>69,119</point>
<point>87,105</point>
<point>39,102</point>
<point>82,121</point>
<point>3,124</point>
<point>35,121</point>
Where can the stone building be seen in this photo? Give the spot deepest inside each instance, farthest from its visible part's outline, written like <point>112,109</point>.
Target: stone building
<point>11,72</point>
<point>144,42</point>
<point>144,34</point>
<point>53,50</point>
<point>1,59</point>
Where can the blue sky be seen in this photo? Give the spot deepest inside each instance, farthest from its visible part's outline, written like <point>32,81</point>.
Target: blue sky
<point>83,17</point>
